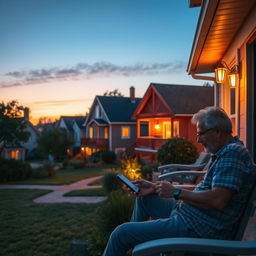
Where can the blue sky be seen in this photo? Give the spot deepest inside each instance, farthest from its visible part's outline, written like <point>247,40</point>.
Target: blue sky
<point>56,55</point>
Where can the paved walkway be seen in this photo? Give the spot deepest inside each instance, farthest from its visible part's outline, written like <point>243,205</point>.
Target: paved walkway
<point>59,190</point>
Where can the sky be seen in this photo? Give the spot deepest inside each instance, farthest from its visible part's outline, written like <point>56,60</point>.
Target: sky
<point>57,55</point>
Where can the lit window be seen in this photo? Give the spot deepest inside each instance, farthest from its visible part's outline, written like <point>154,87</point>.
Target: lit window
<point>106,133</point>
<point>15,154</point>
<point>125,132</point>
<point>176,129</point>
<point>90,132</point>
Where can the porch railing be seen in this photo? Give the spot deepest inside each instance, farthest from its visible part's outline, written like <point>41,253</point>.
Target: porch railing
<point>99,143</point>
<point>152,143</point>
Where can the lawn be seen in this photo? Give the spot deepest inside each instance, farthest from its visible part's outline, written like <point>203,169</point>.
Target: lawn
<point>27,228</point>
<point>68,176</point>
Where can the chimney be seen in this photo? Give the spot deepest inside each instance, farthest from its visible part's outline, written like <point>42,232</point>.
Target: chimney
<point>26,113</point>
<point>132,94</point>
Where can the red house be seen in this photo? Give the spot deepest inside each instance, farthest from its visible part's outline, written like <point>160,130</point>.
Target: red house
<point>165,112</point>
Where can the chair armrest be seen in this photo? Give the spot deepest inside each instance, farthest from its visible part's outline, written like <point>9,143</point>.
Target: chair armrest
<point>181,173</point>
<point>195,245</point>
<point>174,167</point>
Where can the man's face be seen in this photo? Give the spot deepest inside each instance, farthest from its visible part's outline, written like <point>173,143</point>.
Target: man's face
<point>208,138</point>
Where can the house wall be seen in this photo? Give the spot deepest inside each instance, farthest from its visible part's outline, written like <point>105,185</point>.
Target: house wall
<point>241,120</point>
<point>32,141</point>
<point>77,135</point>
<point>116,135</point>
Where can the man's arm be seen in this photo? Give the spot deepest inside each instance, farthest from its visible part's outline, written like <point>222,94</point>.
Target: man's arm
<point>216,198</point>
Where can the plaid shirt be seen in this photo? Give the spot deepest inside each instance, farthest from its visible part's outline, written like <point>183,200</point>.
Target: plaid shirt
<point>232,168</point>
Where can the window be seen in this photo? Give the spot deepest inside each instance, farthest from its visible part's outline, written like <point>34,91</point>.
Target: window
<point>98,112</point>
<point>176,129</point>
<point>166,130</point>
<point>90,132</point>
<point>144,129</point>
<point>232,101</point>
<point>15,154</point>
<point>105,132</point>
<point>125,132</point>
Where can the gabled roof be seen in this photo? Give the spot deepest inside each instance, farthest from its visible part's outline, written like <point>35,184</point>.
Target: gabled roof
<point>181,99</point>
<point>79,121</point>
<point>118,109</point>
<point>68,120</point>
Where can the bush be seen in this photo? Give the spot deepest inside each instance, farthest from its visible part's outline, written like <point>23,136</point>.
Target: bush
<point>131,168</point>
<point>76,164</point>
<point>106,156</point>
<point>107,217</point>
<point>177,151</point>
<point>13,170</point>
<point>110,182</point>
<point>147,171</point>
<point>45,171</point>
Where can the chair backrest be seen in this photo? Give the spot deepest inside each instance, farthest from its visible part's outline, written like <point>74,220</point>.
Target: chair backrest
<point>248,212</point>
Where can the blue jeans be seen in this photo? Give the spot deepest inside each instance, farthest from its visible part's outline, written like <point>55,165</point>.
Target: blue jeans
<point>140,229</point>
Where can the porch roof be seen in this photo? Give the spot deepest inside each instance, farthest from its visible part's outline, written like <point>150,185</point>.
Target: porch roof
<point>218,24</point>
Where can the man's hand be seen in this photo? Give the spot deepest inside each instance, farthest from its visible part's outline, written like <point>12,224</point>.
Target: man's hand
<point>146,187</point>
<point>164,188</point>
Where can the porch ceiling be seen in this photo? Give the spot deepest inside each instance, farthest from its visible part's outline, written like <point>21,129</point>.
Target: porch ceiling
<point>218,24</point>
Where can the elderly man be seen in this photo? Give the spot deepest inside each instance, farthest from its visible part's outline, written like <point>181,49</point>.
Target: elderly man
<point>210,210</point>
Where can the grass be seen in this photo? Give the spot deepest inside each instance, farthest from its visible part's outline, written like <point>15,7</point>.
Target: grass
<point>27,228</point>
<point>67,176</point>
<point>87,192</point>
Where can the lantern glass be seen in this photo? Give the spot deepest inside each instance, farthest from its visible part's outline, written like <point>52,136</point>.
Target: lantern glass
<point>220,75</point>
<point>232,79</point>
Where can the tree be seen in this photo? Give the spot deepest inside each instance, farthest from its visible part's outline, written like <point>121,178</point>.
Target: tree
<point>12,126</point>
<point>113,93</point>
<point>53,142</point>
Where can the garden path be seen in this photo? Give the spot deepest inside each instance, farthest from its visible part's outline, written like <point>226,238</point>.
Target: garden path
<point>56,196</point>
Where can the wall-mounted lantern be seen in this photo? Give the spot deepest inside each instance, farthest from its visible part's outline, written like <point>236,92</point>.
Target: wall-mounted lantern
<point>221,73</point>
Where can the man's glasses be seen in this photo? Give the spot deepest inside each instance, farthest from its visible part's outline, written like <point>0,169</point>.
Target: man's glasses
<point>204,132</point>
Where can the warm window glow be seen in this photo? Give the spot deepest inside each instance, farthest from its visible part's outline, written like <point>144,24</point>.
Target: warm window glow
<point>166,130</point>
<point>106,133</point>
<point>125,132</point>
<point>176,129</point>
<point>90,132</point>
<point>15,154</point>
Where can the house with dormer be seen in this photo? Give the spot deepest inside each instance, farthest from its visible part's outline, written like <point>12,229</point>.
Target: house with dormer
<point>73,126</point>
<point>165,112</point>
<point>109,125</point>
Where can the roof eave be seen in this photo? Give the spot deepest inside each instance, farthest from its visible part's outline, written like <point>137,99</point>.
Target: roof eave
<point>208,9</point>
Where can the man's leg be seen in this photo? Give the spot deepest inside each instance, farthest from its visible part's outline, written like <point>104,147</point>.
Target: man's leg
<point>152,206</point>
<point>128,235</point>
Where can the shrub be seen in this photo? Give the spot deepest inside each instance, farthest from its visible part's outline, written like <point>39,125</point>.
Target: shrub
<point>45,171</point>
<point>177,151</point>
<point>76,164</point>
<point>110,182</point>
<point>107,217</point>
<point>13,170</point>
<point>131,168</point>
<point>106,156</point>
<point>147,171</point>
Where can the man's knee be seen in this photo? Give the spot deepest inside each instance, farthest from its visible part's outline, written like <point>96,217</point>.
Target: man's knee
<point>120,233</point>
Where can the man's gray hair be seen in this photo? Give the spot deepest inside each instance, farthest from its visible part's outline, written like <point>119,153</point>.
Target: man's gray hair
<point>213,117</point>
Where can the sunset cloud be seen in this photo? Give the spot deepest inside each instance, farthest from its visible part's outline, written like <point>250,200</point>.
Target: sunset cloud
<point>87,71</point>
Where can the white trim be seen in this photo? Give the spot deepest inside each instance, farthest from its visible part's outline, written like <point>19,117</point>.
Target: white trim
<point>110,137</point>
<point>146,150</point>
